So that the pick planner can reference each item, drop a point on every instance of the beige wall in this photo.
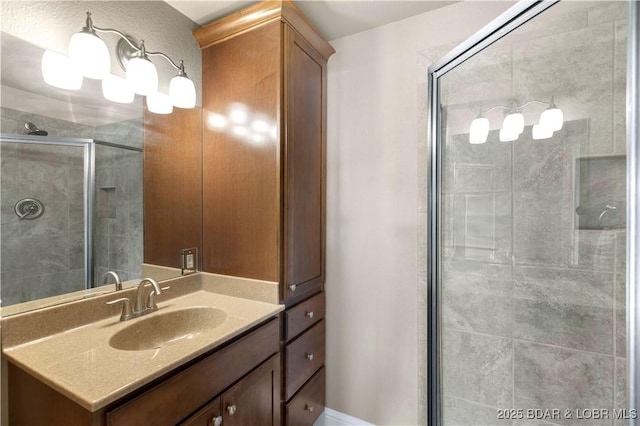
(374, 299)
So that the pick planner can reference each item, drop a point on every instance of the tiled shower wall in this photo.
(533, 303)
(45, 257)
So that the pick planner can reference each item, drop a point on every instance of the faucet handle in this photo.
(126, 308)
(151, 303)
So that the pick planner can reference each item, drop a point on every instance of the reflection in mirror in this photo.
(71, 180)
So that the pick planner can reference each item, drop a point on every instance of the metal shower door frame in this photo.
(516, 16)
(88, 184)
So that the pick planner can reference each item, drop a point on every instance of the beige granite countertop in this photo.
(80, 363)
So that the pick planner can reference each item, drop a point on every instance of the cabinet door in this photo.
(210, 415)
(255, 400)
(305, 108)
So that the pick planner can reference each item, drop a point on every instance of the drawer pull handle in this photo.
(309, 314)
(231, 409)
(216, 421)
(308, 356)
(308, 408)
(293, 287)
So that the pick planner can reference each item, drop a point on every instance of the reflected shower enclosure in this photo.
(71, 210)
(528, 228)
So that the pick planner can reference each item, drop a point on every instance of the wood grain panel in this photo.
(304, 175)
(304, 315)
(256, 398)
(175, 398)
(172, 185)
(241, 227)
(258, 14)
(299, 364)
(206, 416)
(308, 404)
(34, 403)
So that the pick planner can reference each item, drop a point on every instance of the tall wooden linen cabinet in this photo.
(264, 161)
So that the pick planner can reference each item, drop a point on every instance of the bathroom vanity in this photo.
(202, 357)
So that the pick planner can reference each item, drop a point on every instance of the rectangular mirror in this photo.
(88, 185)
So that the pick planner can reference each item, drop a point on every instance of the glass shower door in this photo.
(43, 220)
(530, 232)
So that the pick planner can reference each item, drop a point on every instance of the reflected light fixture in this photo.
(551, 120)
(57, 71)
(116, 89)
(89, 57)
(479, 130)
(513, 123)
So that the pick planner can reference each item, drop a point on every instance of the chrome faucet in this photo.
(142, 306)
(116, 278)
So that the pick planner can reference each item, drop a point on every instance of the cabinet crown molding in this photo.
(261, 13)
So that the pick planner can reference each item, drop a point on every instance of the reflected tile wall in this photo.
(549, 302)
(45, 257)
(119, 219)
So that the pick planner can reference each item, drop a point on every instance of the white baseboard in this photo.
(331, 417)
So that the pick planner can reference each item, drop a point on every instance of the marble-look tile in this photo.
(457, 412)
(479, 300)
(581, 80)
(607, 11)
(551, 377)
(136, 218)
(476, 168)
(53, 222)
(486, 79)
(423, 114)
(543, 228)
(118, 253)
(620, 393)
(76, 250)
(568, 308)
(601, 187)
(8, 125)
(561, 18)
(620, 87)
(477, 368)
(481, 227)
(547, 164)
(621, 315)
(596, 250)
(135, 253)
(621, 251)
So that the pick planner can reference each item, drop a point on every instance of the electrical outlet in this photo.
(189, 260)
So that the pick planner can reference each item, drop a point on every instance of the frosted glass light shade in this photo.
(89, 55)
(57, 71)
(159, 103)
(142, 76)
(505, 136)
(116, 89)
(513, 123)
(552, 118)
(182, 92)
(539, 131)
(479, 130)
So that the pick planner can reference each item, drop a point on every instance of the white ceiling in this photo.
(333, 18)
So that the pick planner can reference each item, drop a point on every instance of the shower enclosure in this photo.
(71, 210)
(532, 205)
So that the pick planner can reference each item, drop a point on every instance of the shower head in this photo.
(33, 130)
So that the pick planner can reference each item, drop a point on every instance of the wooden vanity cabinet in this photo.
(264, 147)
(244, 374)
(304, 356)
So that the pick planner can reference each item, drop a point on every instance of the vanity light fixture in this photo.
(551, 120)
(89, 56)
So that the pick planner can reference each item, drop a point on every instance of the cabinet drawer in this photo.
(174, 399)
(304, 356)
(308, 404)
(303, 316)
(210, 415)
